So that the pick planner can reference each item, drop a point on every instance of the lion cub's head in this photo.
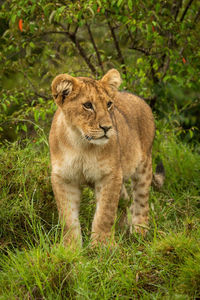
(88, 104)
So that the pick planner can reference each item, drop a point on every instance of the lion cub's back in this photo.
(137, 115)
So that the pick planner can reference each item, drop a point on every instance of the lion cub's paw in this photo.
(72, 242)
(139, 224)
(99, 241)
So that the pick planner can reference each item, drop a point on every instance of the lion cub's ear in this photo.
(112, 78)
(62, 86)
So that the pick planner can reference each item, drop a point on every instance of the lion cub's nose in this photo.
(105, 128)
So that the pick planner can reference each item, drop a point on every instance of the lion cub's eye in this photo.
(88, 105)
(109, 104)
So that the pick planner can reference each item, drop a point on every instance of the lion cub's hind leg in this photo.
(140, 206)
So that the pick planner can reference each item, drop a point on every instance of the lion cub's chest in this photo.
(83, 167)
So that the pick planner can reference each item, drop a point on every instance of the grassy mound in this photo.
(34, 264)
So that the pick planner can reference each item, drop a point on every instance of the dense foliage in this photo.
(155, 46)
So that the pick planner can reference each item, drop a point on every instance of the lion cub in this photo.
(100, 136)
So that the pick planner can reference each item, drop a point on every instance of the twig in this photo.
(130, 35)
(185, 10)
(33, 87)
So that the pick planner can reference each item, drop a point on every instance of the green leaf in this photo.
(6, 33)
(33, 8)
(139, 61)
(157, 7)
(130, 4)
(52, 16)
(119, 3)
(36, 115)
(32, 45)
(99, 3)
(47, 8)
(28, 50)
(61, 9)
(113, 2)
(191, 133)
(4, 107)
(24, 127)
(91, 10)
(13, 18)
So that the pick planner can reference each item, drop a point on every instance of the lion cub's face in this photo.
(87, 104)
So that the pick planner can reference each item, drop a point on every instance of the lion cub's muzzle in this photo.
(100, 136)
(105, 128)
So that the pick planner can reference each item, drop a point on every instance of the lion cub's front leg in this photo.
(107, 197)
(68, 201)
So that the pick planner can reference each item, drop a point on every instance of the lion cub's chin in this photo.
(101, 141)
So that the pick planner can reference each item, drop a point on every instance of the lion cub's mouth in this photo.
(103, 136)
(90, 138)
(102, 140)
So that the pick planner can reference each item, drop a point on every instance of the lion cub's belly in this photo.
(81, 167)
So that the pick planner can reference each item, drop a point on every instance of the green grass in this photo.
(35, 265)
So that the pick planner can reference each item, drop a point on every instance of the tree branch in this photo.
(186, 9)
(120, 56)
(95, 47)
(83, 54)
(197, 17)
(177, 6)
(144, 51)
(75, 41)
(75, 31)
(130, 35)
(53, 32)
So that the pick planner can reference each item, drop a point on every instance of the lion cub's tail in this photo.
(159, 176)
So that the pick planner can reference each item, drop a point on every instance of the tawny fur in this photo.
(104, 143)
